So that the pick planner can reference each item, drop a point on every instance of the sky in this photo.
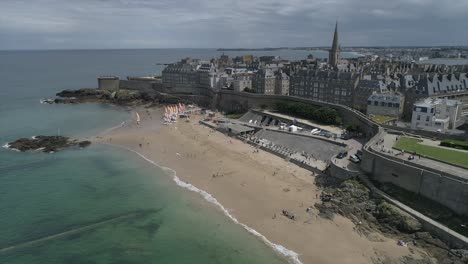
(103, 24)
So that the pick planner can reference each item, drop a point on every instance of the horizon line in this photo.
(247, 48)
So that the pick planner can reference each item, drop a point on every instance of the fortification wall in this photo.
(429, 134)
(108, 83)
(341, 173)
(446, 189)
(231, 101)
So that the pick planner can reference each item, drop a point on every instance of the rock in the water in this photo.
(120, 96)
(84, 144)
(46, 143)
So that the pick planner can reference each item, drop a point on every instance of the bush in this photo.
(454, 144)
(324, 115)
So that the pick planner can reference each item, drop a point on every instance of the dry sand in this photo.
(254, 187)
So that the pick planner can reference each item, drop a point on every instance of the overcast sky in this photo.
(83, 24)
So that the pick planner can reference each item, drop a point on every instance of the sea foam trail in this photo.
(113, 128)
(291, 255)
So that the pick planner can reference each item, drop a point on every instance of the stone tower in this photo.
(334, 52)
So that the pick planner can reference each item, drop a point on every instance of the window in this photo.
(376, 103)
(418, 118)
(427, 118)
(382, 103)
(396, 105)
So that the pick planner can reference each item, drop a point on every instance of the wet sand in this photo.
(254, 188)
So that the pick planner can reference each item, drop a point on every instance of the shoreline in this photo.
(279, 249)
(251, 200)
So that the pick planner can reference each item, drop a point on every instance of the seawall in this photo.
(445, 188)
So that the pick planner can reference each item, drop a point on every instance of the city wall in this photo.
(231, 101)
(444, 188)
(341, 173)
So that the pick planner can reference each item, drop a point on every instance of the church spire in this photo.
(335, 45)
(334, 52)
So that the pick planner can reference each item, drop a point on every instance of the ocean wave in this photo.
(291, 255)
(7, 146)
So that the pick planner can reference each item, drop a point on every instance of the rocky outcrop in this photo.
(354, 200)
(388, 214)
(119, 97)
(46, 143)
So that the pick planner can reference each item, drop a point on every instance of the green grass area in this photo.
(451, 156)
(381, 119)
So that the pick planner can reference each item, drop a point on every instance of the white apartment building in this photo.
(435, 114)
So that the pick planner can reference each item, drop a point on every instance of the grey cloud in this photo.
(39, 24)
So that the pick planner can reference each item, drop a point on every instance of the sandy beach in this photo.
(254, 188)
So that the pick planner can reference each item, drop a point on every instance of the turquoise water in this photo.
(151, 219)
(100, 204)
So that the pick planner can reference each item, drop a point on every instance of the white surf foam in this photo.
(113, 128)
(292, 256)
(7, 146)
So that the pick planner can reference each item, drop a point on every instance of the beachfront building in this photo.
(181, 77)
(436, 114)
(385, 105)
(326, 85)
(207, 75)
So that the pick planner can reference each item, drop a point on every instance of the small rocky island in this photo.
(46, 143)
(119, 97)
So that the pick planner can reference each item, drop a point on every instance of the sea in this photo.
(103, 204)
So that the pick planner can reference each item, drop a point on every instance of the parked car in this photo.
(345, 136)
(342, 154)
(354, 159)
(322, 133)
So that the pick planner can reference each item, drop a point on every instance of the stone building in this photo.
(263, 81)
(248, 59)
(366, 88)
(417, 87)
(241, 81)
(328, 86)
(207, 75)
(281, 83)
(181, 77)
(385, 105)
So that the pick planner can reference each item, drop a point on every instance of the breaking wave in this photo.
(7, 146)
(291, 255)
